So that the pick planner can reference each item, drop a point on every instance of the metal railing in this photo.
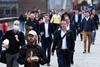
(8, 19)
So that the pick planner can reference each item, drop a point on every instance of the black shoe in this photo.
(48, 64)
(84, 51)
(88, 51)
(72, 62)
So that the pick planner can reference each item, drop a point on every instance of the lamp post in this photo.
(46, 5)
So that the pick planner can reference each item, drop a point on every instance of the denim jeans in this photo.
(22, 26)
(93, 37)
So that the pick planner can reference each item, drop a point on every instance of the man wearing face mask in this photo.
(16, 39)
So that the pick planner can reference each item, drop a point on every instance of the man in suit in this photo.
(46, 31)
(64, 45)
(32, 24)
(71, 27)
(76, 19)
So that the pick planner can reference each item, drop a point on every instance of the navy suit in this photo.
(79, 19)
(73, 30)
(46, 41)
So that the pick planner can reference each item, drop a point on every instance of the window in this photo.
(7, 11)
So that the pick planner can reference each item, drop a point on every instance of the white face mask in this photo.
(16, 27)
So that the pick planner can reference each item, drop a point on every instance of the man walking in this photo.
(64, 45)
(16, 39)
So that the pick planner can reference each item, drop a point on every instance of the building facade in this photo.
(17, 7)
(8, 8)
(60, 4)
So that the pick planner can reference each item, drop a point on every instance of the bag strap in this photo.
(62, 37)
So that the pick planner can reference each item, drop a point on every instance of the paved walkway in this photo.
(81, 60)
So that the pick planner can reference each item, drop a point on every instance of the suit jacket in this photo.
(73, 30)
(42, 30)
(58, 42)
(34, 24)
(79, 18)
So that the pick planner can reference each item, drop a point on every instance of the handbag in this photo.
(3, 56)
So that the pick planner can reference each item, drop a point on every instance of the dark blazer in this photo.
(73, 30)
(87, 26)
(42, 30)
(96, 20)
(79, 18)
(58, 42)
(34, 24)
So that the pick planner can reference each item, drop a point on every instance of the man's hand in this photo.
(35, 59)
(29, 60)
(16, 37)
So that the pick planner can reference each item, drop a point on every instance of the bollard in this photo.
(5, 27)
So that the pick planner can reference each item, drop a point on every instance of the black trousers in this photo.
(64, 58)
(46, 44)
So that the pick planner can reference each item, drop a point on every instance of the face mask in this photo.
(15, 27)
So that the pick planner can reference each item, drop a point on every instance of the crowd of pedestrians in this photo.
(36, 36)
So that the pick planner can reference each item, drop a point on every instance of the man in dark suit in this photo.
(71, 27)
(46, 31)
(32, 24)
(64, 45)
(76, 19)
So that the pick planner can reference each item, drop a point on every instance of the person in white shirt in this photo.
(64, 45)
(46, 32)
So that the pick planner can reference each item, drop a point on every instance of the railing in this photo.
(8, 22)
(8, 19)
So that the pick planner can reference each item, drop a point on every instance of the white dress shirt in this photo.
(64, 43)
(76, 17)
(46, 30)
(68, 27)
(87, 18)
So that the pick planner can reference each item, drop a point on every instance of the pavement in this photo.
(91, 59)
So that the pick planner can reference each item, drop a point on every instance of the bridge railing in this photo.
(7, 22)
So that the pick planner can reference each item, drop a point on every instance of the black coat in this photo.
(96, 20)
(25, 53)
(58, 42)
(42, 30)
(13, 44)
(33, 23)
